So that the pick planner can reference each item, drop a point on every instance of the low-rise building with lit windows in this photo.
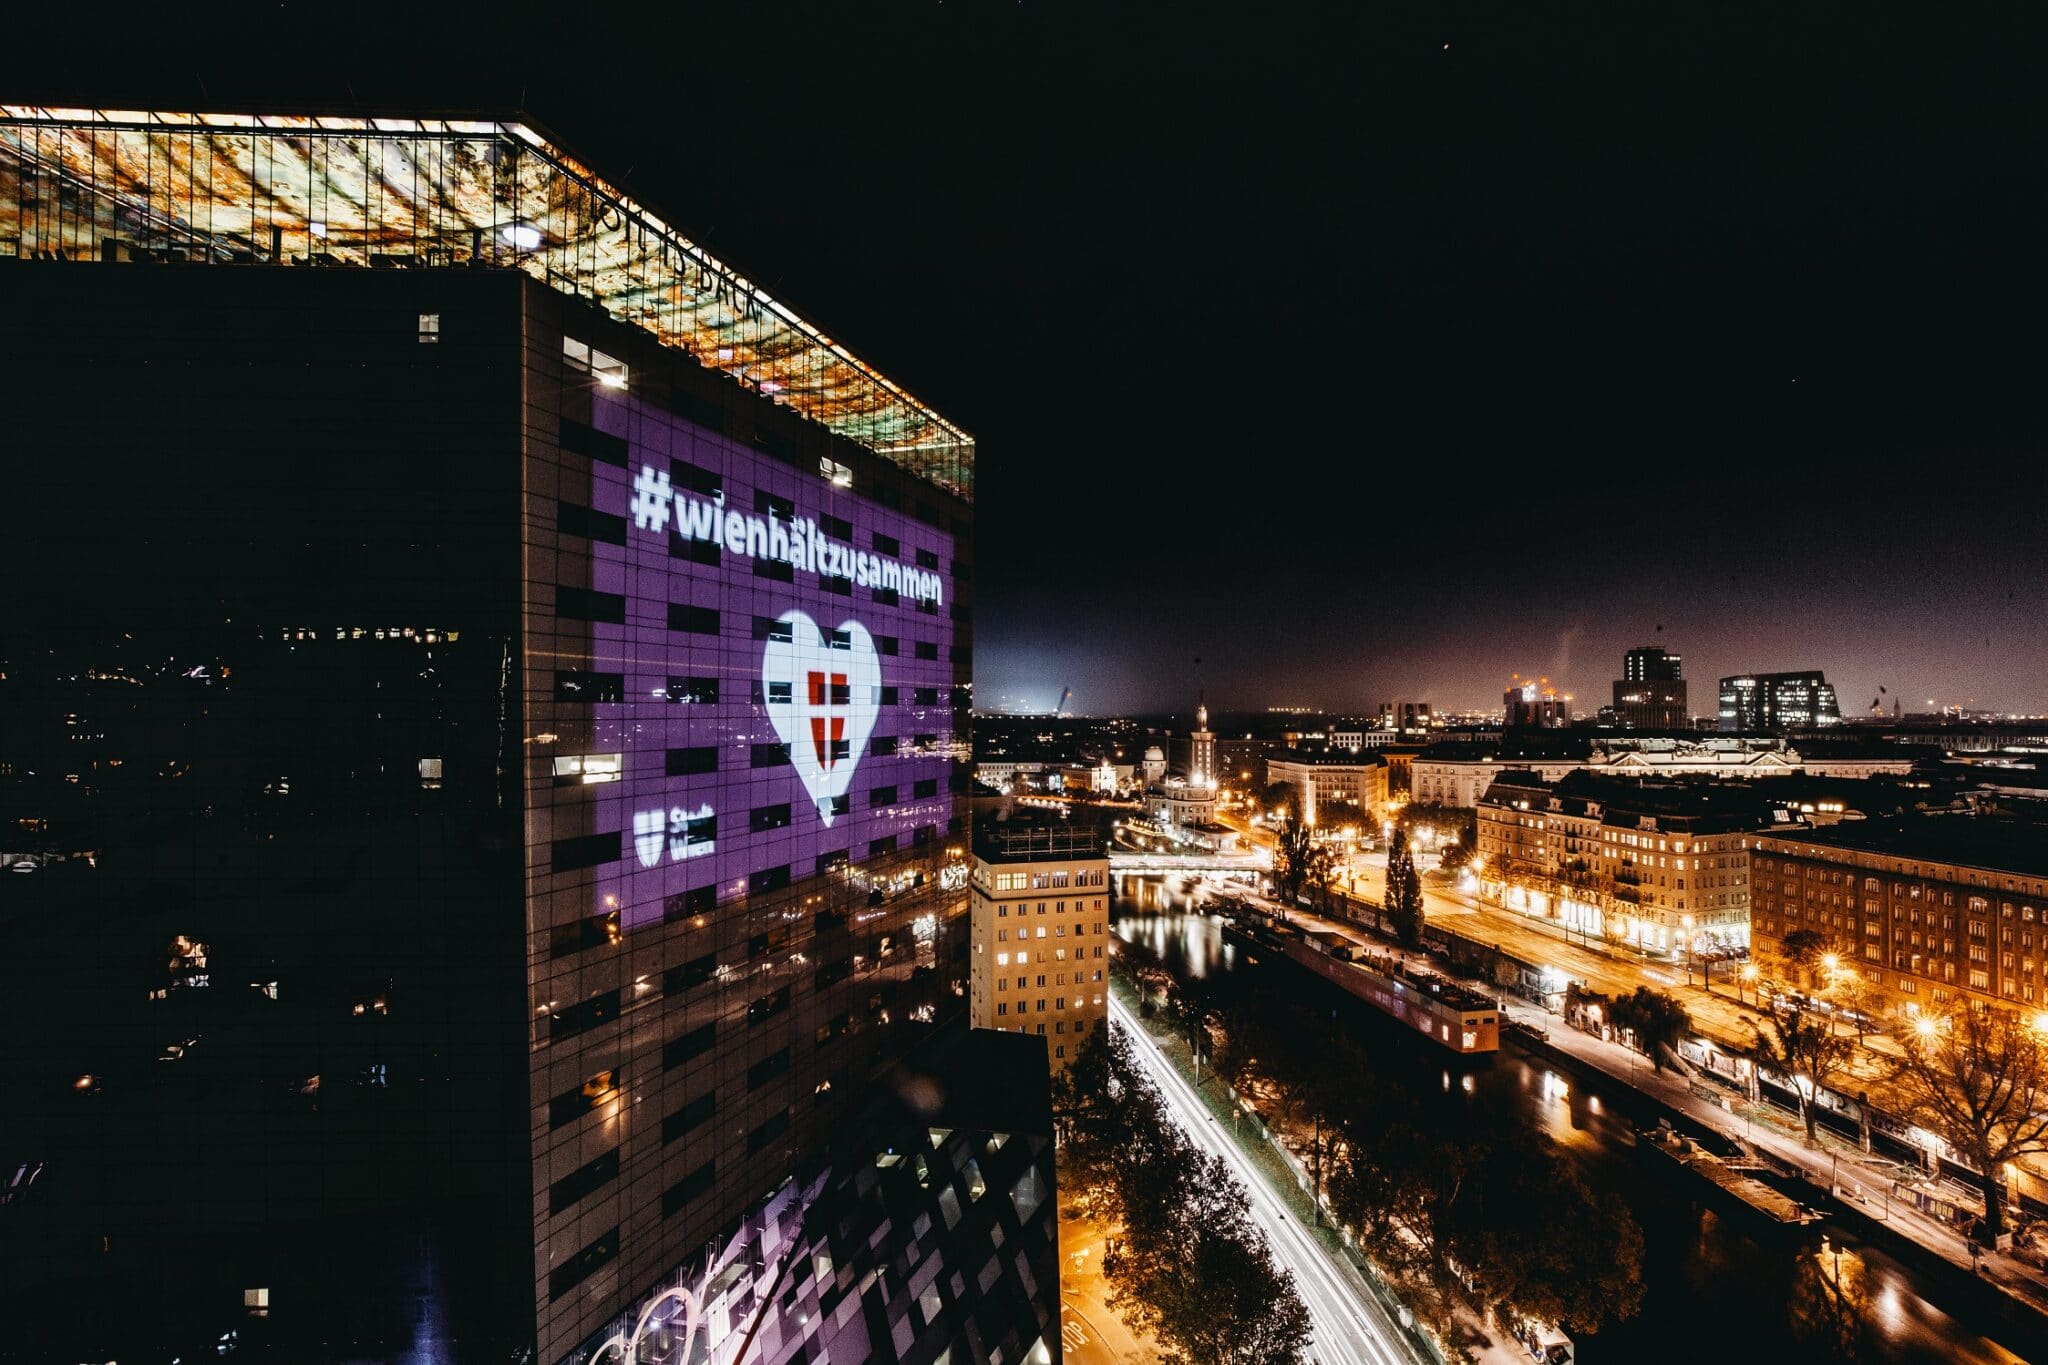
(1335, 786)
(1926, 909)
(1663, 867)
(1039, 923)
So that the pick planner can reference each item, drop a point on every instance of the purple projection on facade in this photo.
(787, 668)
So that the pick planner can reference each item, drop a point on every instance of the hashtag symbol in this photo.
(653, 498)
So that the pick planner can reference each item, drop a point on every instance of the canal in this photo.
(1712, 1291)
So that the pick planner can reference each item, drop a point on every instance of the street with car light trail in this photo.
(1348, 1324)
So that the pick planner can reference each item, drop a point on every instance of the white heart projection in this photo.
(823, 692)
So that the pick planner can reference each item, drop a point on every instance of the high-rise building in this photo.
(1650, 694)
(1040, 925)
(1764, 703)
(1533, 704)
(514, 667)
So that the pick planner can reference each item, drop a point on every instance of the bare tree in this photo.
(1978, 1076)
(1808, 1053)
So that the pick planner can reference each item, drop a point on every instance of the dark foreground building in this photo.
(480, 713)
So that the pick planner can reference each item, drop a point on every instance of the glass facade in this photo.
(410, 194)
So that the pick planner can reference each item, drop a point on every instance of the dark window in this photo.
(828, 861)
(708, 413)
(927, 560)
(777, 692)
(768, 1068)
(777, 569)
(842, 587)
(694, 478)
(696, 551)
(584, 605)
(767, 1007)
(839, 638)
(701, 691)
(592, 687)
(881, 796)
(768, 1132)
(689, 762)
(877, 847)
(689, 1116)
(696, 620)
(702, 901)
(773, 628)
(765, 502)
(885, 644)
(574, 520)
(881, 746)
(589, 850)
(687, 1191)
(888, 697)
(584, 1016)
(927, 787)
(888, 545)
(584, 935)
(768, 943)
(685, 1046)
(842, 803)
(582, 1265)
(584, 439)
(761, 819)
(888, 597)
(927, 649)
(836, 526)
(768, 879)
(695, 972)
(834, 972)
(769, 755)
(566, 1108)
(925, 696)
(924, 834)
(592, 1175)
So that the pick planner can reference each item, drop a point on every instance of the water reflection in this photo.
(1716, 1288)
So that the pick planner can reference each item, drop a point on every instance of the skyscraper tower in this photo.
(1650, 694)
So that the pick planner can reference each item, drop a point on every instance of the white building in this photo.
(1336, 787)
(1039, 916)
(1458, 774)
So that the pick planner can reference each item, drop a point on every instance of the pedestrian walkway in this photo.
(1855, 1175)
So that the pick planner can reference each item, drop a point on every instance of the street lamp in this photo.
(1685, 924)
(1749, 975)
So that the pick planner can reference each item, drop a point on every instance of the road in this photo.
(1347, 1323)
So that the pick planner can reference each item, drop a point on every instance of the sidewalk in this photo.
(1860, 1178)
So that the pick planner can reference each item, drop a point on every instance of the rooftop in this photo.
(1028, 841)
(1991, 843)
(423, 193)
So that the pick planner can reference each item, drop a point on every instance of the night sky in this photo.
(1366, 353)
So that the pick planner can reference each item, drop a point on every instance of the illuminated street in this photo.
(1349, 1327)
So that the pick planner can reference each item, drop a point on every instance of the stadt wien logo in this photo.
(823, 690)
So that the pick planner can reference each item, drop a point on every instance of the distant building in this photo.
(1456, 773)
(1405, 718)
(1153, 766)
(1650, 694)
(1768, 703)
(1336, 787)
(1039, 920)
(1534, 705)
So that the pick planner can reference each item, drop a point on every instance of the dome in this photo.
(1155, 754)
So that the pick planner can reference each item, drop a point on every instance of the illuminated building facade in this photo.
(1663, 867)
(1335, 787)
(1040, 924)
(1533, 704)
(1650, 694)
(667, 752)
(1765, 703)
(1924, 910)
